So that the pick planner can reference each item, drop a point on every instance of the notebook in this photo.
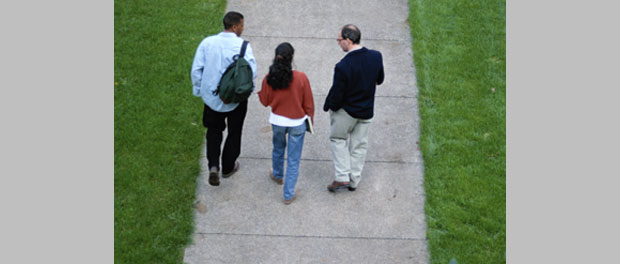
(309, 127)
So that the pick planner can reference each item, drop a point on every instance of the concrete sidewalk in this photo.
(244, 220)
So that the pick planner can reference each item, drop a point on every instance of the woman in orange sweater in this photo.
(289, 95)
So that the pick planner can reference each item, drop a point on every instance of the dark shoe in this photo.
(214, 179)
(351, 189)
(235, 169)
(278, 181)
(287, 202)
(337, 186)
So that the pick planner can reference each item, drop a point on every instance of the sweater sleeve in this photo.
(335, 97)
(381, 76)
(308, 100)
(264, 95)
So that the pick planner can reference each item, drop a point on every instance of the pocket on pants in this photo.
(298, 130)
(340, 124)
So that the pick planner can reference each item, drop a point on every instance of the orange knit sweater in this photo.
(293, 102)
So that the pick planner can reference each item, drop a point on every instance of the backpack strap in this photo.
(243, 46)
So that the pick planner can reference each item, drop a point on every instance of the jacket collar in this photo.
(363, 49)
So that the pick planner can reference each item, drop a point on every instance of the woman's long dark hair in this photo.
(281, 71)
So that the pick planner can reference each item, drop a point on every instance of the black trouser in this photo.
(216, 122)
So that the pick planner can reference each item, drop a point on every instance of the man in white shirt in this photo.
(213, 56)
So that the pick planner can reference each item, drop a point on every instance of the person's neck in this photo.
(355, 47)
(230, 31)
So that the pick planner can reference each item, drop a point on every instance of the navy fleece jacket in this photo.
(356, 77)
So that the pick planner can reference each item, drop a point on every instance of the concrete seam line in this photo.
(323, 38)
(326, 160)
(320, 237)
(377, 96)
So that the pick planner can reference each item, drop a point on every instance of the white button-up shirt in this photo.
(213, 56)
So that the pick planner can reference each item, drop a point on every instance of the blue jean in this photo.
(295, 145)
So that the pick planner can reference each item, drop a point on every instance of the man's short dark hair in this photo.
(351, 32)
(232, 18)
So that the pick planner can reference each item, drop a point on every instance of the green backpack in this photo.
(237, 82)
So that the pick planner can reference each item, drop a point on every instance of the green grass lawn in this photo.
(157, 125)
(460, 57)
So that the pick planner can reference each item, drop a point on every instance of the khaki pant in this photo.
(349, 156)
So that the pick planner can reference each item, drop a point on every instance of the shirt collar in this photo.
(227, 34)
(361, 49)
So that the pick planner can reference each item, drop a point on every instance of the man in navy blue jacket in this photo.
(350, 103)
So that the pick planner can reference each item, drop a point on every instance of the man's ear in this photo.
(349, 42)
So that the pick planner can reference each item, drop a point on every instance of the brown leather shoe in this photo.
(278, 181)
(235, 169)
(338, 185)
(287, 202)
(214, 179)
